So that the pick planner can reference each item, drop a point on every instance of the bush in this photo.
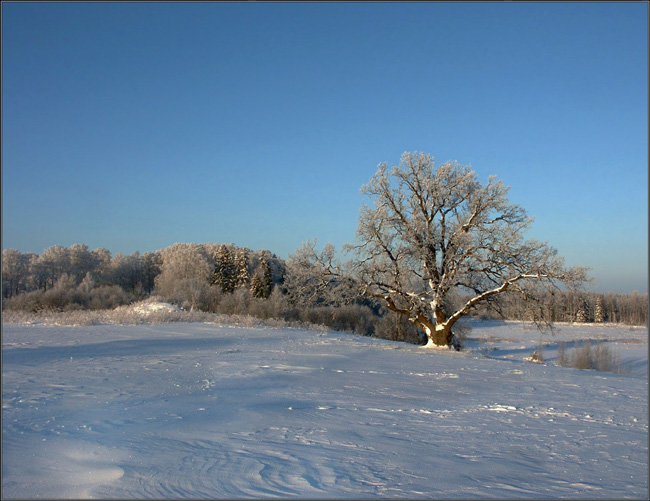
(30, 301)
(396, 327)
(109, 297)
(562, 356)
(189, 293)
(352, 318)
(236, 303)
(276, 306)
(62, 299)
(461, 330)
(588, 357)
(56, 299)
(53, 299)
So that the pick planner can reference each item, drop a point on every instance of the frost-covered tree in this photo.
(14, 272)
(430, 231)
(225, 273)
(128, 271)
(262, 281)
(52, 264)
(185, 275)
(599, 314)
(152, 264)
(86, 285)
(102, 271)
(256, 286)
(82, 261)
(242, 275)
(267, 277)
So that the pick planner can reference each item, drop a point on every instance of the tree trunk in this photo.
(438, 331)
(438, 334)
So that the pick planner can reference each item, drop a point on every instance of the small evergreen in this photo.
(583, 313)
(262, 282)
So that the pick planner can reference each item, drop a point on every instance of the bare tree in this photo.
(431, 231)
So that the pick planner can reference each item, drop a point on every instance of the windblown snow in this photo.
(199, 410)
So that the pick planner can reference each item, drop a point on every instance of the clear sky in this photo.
(134, 126)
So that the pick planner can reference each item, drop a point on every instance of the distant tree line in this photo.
(236, 280)
(192, 275)
(579, 307)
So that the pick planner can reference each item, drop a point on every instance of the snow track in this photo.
(202, 411)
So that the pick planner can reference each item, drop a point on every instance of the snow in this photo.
(148, 307)
(200, 410)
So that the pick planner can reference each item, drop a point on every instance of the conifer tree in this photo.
(583, 312)
(267, 277)
(599, 312)
(262, 282)
(224, 269)
(256, 287)
(242, 278)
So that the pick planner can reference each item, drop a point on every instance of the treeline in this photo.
(579, 307)
(191, 275)
(234, 280)
(210, 277)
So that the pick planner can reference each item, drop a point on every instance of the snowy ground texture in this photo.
(198, 410)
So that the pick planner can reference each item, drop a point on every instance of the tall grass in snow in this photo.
(588, 356)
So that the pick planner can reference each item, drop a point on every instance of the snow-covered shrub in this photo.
(582, 358)
(352, 318)
(109, 297)
(29, 301)
(355, 318)
(236, 303)
(587, 356)
(56, 299)
(397, 328)
(461, 330)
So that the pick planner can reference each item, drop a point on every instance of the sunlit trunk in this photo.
(437, 331)
(437, 334)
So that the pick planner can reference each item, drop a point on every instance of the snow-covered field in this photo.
(198, 410)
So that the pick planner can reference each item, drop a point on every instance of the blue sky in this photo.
(135, 126)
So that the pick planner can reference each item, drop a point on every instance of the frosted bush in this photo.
(589, 357)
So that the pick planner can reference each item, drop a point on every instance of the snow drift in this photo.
(149, 307)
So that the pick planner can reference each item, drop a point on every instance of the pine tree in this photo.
(267, 278)
(242, 278)
(262, 282)
(256, 287)
(583, 312)
(589, 317)
(224, 269)
(599, 312)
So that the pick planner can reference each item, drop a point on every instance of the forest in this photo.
(227, 279)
